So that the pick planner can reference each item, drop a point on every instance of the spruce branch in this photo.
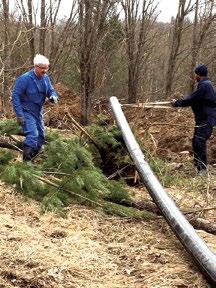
(48, 182)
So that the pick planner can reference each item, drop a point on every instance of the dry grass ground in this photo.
(89, 249)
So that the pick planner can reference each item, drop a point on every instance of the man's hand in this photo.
(173, 102)
(21, 120)
(53, 99)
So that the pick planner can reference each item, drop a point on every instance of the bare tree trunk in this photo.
(85, 65)
(31, 31)
(183, 10)
(62, 41)
(28, 21)
(6, 60)
(200, 29)
(42, 28)
(137, 30)
(53, 17)
(92, 19)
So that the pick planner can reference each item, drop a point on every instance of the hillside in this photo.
(89, 249)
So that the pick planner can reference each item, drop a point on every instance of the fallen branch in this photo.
(117, 172)
(56, 173)
(171, 124)
(200, 210)
(156, 103)
(83, 130)
(147, 106)
(198, 223)
(4, 144)
(48, 182)
(113, 206)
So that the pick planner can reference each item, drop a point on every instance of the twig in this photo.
(56, 173)
(117, 172)
(13, 138)
(156, 103)
(83, 130)
(199, 210)
(15, 146)
(147, 106)
(178, 125)
(170, 124)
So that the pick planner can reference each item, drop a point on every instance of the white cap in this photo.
(40, 59)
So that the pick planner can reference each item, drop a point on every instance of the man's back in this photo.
(203, 103)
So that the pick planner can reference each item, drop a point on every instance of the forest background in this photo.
(108, 47)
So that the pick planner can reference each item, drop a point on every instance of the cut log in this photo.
(5, 144)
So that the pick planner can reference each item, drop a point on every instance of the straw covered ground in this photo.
(89, 249)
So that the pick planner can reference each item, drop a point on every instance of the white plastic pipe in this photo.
(194, 244)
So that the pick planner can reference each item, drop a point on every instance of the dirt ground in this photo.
(89, 249)
(166, 133)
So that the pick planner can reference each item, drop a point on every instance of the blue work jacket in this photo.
(202, 102)
(29, 93)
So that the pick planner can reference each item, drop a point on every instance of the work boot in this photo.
(27, 153)
(202, 172)
(35, 152)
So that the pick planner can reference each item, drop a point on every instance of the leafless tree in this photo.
(202, 23)
(43, 23)
(5, 60)
(92, 30)
(55, 38)
(62, 37)
(139, 19)
(29, 22)
(178, 27)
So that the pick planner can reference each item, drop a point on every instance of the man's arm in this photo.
(18, 91)
(52, 94)
(190, 100)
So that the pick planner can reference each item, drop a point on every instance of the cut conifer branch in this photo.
(48, 182)
(118, 209)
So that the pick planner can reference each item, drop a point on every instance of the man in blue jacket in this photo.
(28, 96)
(203, 104)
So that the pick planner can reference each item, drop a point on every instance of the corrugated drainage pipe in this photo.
(194, 244)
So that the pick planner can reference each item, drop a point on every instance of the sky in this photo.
(168, 9)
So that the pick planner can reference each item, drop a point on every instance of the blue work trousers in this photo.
(34, 131)
(202, 133)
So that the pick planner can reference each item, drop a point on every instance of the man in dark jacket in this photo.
(203, 104)
(28, 96)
